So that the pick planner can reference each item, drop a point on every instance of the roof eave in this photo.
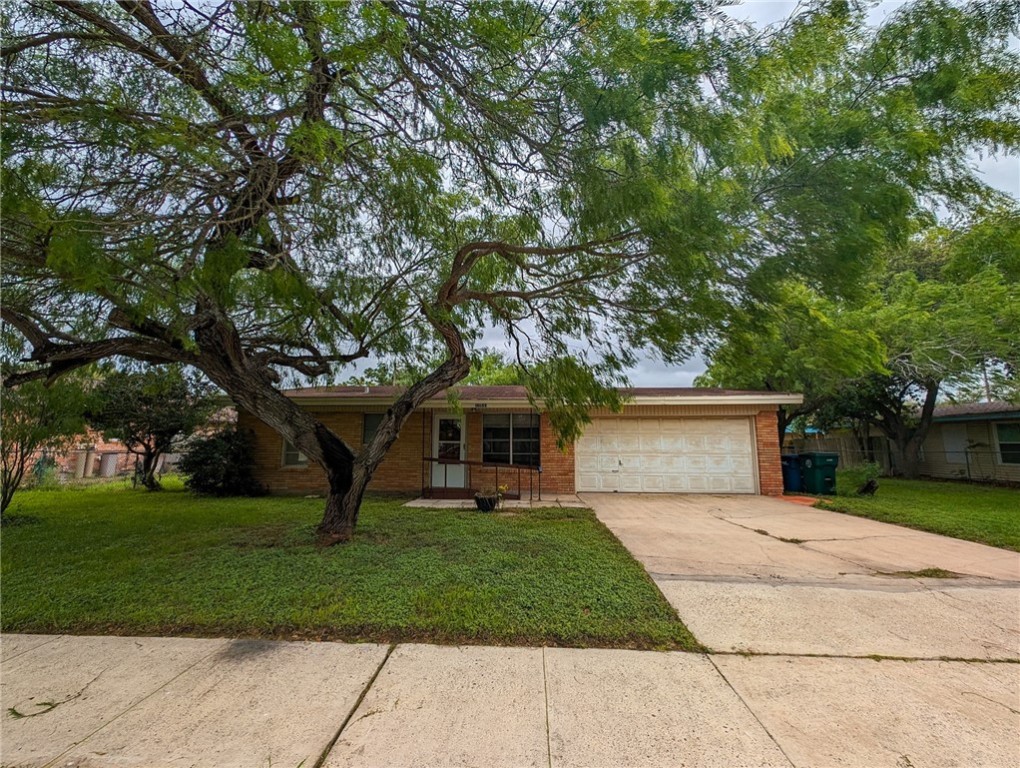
(784, 398)
(993, 416)
(466, 403)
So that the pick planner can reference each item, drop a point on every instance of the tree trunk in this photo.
(6, 496)
(223, 360)
(346, 490)
(347, 482)
(907, 440)
(908, 458)
(860, 429)
(783, 419)
(149, 461)
(13, 474)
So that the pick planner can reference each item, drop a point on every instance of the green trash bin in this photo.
(819, 472)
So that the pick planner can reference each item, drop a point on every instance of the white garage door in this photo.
(666, 456)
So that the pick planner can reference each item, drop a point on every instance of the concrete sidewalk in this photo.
(109, 701)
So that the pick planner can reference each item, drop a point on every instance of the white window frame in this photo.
(289, 449)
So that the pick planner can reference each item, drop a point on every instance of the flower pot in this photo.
(486, 503)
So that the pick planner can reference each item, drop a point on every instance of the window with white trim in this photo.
(511, 438)
(1008, 438)
(292, 457)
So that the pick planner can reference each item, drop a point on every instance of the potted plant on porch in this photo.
(490, 498)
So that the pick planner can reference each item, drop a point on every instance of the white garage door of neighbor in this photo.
(666, 456)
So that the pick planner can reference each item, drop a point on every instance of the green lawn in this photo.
(113, 560)
(965, 511)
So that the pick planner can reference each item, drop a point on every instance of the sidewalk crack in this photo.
(49, 706)
(753, 713)
(7, 659)
(368, 686)
(133, 706)
(548, 729)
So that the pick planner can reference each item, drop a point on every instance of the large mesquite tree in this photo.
(270, 189)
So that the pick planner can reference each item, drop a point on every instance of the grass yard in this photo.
(111, 560)
(980, 513)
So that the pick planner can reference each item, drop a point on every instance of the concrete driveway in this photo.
(801, 605)
(749, 573)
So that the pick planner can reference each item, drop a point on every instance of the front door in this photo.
(448, 446)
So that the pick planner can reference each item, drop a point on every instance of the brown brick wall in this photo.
(770, 470)
(399, 471)
(557, 465)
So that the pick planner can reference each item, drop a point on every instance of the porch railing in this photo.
(519, 478)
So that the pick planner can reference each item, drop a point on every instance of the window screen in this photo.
(292, 457)
(511, 438)
(496, 437)
(370, 426)
(1009, 443)
(525, 439)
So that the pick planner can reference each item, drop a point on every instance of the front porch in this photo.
(481, 450)
(453, 479)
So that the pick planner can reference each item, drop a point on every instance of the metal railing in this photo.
(478, 475)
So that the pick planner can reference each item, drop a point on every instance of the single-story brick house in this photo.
(665, 440)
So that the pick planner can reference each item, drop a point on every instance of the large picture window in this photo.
(1008, 436)
(511, 438)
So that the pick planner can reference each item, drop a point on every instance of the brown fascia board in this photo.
(516, 397)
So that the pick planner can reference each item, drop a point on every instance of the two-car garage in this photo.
(667, 455)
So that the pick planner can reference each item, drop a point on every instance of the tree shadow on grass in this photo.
(13, 521)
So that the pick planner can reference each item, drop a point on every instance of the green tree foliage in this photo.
(264, 190)
(938, 331)
(946, 320)
(992, 380)
(804, 343)
(37, 418)
(992, 241)
(488, 368)
(935, 318)
(148, 409)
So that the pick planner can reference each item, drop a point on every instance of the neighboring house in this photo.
(92, 455)
(974, 441)
(968, 441)
(664, 441)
